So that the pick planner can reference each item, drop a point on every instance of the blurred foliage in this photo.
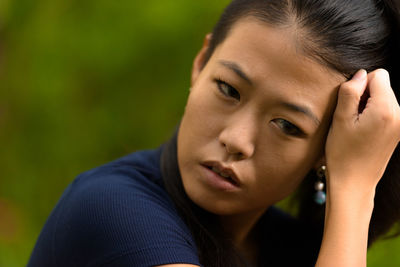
(85, 82)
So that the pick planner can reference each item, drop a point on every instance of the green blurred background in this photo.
(83, 83)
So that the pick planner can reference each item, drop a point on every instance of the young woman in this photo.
(285, 94)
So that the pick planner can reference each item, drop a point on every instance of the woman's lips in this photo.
(220, 177)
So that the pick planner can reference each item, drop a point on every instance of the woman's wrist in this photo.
(347, 217)
(351, 206)
(350, 190)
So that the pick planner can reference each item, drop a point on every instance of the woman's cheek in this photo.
(286, 161)
(205, 112)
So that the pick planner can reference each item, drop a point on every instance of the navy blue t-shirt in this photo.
(120, 215)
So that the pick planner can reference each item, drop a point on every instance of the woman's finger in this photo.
(379, 85)
(383, 106)
(350, 94)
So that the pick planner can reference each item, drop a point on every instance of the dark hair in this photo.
(346, 35)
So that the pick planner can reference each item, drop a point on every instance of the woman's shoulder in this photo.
(134, 179)
(139, 164)
(116, 214)
(138, 171)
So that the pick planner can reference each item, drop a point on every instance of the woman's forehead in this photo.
(263, 50)
(267, 59)
(269, 56)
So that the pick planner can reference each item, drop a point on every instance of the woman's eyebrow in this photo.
(291, 106)
(301, 109)
(237, 69)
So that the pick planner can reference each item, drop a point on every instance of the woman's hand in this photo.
(360, 143)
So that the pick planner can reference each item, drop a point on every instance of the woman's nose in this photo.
(238, 138)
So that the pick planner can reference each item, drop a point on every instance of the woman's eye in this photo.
(227, 90)
(288, 128)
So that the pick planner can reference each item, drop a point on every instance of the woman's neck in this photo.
(241, 230)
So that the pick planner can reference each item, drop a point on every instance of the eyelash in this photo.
(232, 92)
(286, 127)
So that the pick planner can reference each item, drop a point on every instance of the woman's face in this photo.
(255, 121)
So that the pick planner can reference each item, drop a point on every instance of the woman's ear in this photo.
(199, 60)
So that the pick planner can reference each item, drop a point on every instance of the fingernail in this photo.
(360, 75)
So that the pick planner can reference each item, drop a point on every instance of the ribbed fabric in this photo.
(116, 215)
(120, 215)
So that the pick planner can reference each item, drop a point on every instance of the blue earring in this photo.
(320, 195)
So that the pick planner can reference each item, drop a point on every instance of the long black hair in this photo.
(345, 35)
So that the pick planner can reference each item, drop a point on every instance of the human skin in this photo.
(248, 135)
(358, 148)
(247, 127)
